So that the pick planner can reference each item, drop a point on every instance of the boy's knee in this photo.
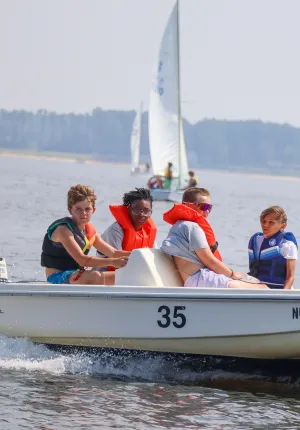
(97, 276)
(94, 278)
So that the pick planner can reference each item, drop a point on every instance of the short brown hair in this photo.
(79, 193)
(191, 194)
(277, 210)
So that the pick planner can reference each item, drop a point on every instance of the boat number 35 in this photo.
(172, 315)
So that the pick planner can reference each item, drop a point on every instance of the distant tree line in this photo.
(106, 135)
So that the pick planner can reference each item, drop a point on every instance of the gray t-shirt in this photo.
(184, 238)
(114, 236)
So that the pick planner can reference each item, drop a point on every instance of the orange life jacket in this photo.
(90, 234)
(181, 212)
(133, 239)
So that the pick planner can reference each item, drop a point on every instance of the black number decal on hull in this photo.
(178, 319)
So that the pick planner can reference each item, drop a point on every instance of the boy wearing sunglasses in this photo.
(192, 244)
(134, 227)
(273, 253)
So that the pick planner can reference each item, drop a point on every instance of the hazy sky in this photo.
(240, 58)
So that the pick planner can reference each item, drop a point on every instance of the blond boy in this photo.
(273, 252)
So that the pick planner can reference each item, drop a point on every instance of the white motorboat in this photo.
(166, 138)
(149, 310)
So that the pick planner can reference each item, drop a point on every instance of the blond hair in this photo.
(191, 194)
(277, 210)
(79, 193)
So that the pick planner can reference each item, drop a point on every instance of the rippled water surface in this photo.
(45, 389)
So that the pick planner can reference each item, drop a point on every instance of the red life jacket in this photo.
(181, 212)
(133, 239)
(90, 234)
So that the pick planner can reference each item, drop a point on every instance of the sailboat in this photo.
(166, 138)
(135, 141)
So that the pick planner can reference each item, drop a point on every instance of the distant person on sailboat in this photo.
(168, 176)
(193, 181)
(134, 227)
(147, 167)
(155, 182)
(68, 241)
(192, 244)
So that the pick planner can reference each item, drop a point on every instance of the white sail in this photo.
(135, 140)
(166, 137)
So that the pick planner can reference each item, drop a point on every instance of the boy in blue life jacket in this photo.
(273, 253)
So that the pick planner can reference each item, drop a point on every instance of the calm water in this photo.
(47, 390)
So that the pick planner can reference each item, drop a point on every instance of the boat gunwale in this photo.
(159, 296)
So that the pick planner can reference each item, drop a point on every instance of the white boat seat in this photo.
(149, 268)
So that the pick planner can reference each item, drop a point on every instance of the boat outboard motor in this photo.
(3, 270)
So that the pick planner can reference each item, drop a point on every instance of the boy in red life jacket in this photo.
(69, 239)
(134, 227)
(192, 244)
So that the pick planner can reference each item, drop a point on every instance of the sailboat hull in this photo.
(167, 195)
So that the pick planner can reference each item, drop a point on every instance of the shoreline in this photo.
(253, 174)
(71, 158)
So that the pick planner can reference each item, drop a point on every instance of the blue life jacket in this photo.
(267, 264)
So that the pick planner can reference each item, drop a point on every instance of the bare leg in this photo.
(92, 277)
(247, 285)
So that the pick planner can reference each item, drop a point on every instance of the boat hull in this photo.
(167, 195)
(260, 324)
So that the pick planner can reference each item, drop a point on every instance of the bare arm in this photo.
(65, 236)
(107, 249)
(212, 263)
(290, 273)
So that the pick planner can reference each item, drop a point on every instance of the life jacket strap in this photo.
(214, 247)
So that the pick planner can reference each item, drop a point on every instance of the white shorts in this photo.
(205, 278)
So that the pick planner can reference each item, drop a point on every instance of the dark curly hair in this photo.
(138, 194)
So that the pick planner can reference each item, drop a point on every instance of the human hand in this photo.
(237, 276)
(119, 262)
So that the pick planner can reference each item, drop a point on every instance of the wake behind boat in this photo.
(149, 310)
(166, 138)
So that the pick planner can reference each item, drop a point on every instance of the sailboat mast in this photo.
(141, 116)
(179, 96)
(140, 131)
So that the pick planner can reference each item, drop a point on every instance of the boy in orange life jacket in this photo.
(192, 243)
(133, 227)
(69, 239)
